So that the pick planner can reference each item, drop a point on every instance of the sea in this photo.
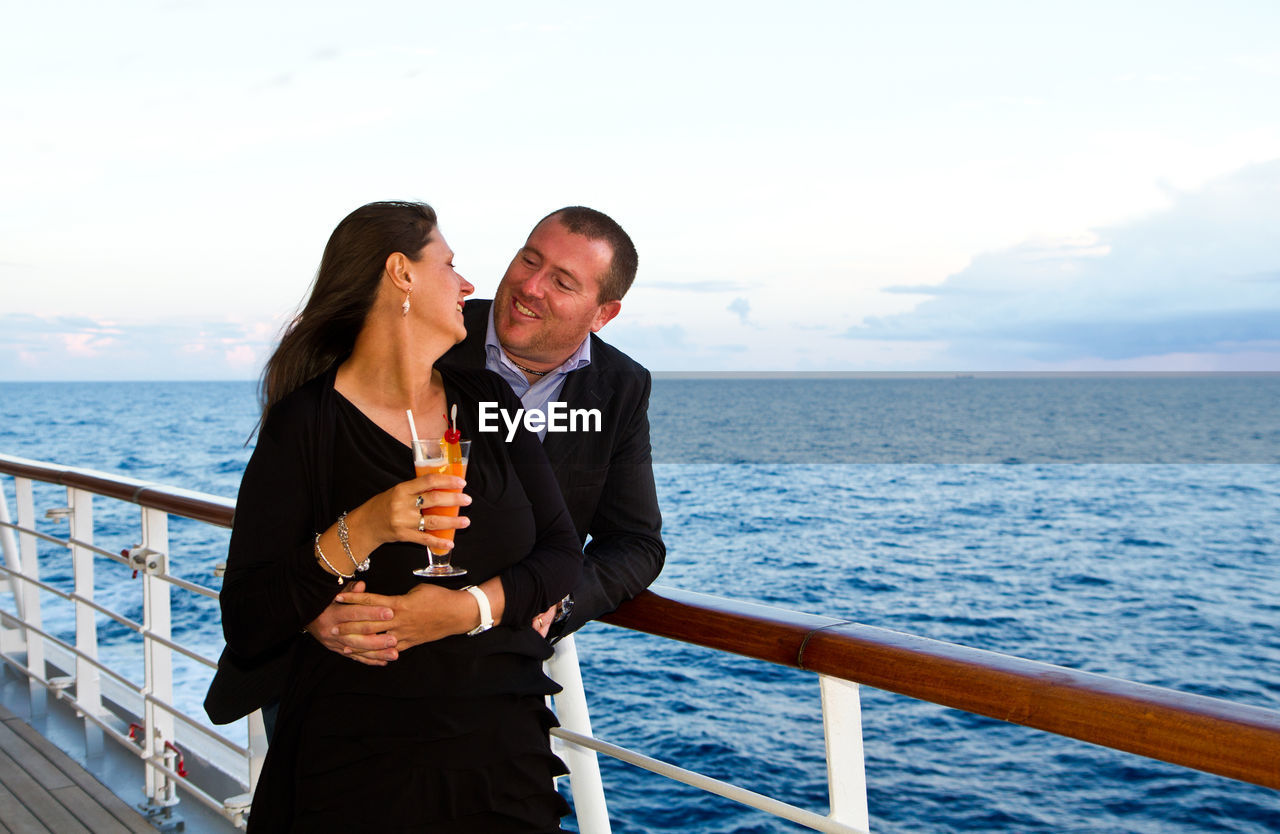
(1126, 525)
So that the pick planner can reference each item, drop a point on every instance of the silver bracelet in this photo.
(342, 577)
(344, 536)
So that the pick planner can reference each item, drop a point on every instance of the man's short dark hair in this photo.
(596, 225)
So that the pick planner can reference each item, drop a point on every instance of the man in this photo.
(538, 333)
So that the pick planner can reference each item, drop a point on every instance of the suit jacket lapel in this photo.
(587, 388)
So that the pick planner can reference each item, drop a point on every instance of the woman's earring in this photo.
(404, 308)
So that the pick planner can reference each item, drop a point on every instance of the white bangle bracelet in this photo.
(486, 613)
(342, 577)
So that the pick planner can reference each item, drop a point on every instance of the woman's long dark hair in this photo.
(324, 333)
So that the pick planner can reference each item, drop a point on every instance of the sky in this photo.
(840, 186)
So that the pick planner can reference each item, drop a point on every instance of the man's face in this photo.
(546, 304)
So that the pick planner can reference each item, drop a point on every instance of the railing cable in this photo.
(711, 785)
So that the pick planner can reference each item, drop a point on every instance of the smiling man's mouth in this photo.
(523, 310)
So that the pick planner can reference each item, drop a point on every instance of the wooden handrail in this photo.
(1209, 734)
(189, 504)
(1229, 739)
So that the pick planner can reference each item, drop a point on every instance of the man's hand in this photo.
(426, 613)
(542, 622)
(356, 631)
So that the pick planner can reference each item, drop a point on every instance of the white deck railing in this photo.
(83, 680)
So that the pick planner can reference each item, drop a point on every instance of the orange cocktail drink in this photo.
(437, 457)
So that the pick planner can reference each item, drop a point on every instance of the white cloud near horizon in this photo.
(701, 286)
(1200, 277)
(54, 348)
(741, 308)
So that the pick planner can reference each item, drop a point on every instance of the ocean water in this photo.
(1124, 526)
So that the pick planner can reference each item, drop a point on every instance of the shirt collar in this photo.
(494, 353)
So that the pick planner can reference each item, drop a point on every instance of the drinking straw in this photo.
(413, 430)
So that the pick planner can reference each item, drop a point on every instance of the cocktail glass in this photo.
(430, 457)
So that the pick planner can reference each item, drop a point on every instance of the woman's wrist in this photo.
(359, 565)
(343, 549)
(484, 612)
(322, 551)
(497, 595)
(361, 533)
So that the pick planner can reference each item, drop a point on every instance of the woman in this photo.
(451, 736)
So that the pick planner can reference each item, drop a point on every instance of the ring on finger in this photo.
(422, 524)
(418, 502)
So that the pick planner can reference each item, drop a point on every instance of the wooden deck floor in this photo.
(43, 790)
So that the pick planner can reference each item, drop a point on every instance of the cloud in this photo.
(85, 344)
(17, 327)
(283, 79)
(741, 308)
(700, 286)
(242, 355)
(1263, 64)
(1202, 276)
(76, 348)
(641, 339)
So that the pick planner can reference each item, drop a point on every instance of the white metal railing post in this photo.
(258, 743)
(584, 767)
(31, 594)
(13, 638)
(236, 808)
(151, 557)
(12, 560)
(846, 758)
(88, 683)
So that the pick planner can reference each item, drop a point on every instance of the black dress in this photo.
(452, 736)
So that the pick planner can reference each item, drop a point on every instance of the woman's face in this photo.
(438, 289)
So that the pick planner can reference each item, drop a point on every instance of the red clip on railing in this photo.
(182, 770)
(168, 745)
(126, 554)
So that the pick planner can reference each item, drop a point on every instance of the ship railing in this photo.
(139, 716)
(1234, 740)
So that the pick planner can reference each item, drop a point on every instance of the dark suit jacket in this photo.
(606, 476)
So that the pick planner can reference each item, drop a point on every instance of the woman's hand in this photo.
(426, 613)
(396, 515)
(356, 631)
